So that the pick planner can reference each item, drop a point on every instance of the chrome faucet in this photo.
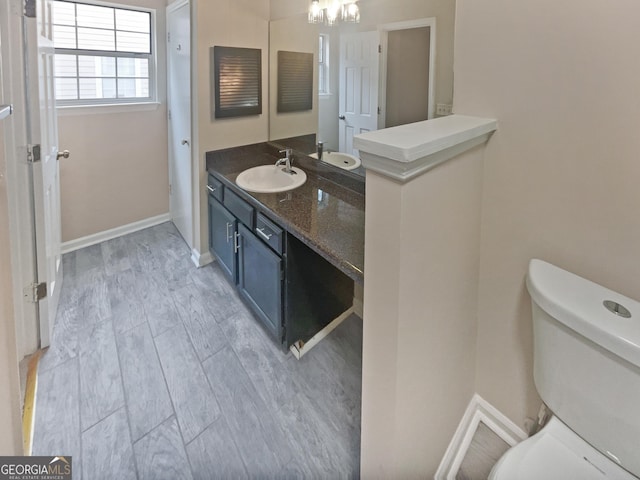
(286, 161)
(319, 150)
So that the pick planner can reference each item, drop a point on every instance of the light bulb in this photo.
(351, 13)
(316, 14)
(332, 13)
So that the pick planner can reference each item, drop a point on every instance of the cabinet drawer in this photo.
(241, 209)
(215, 187)
(270, 233)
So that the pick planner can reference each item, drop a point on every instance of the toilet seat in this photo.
(556, 453)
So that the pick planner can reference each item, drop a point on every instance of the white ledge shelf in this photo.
(406, 151)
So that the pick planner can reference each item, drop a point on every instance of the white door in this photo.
(43, 130)
(358, 110)
(179, 99)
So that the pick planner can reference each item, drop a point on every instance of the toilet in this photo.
(587, 371)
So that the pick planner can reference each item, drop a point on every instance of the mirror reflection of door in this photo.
(384, 80)
(358, 103)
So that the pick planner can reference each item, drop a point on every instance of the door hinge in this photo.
(169, 114)
(35, 292)
(379, 111)
(168, 36)
(379, 48)
(30, 8)
(33, 153)
(170, 189)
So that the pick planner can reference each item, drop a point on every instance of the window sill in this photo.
(71, 110)
(325, 95)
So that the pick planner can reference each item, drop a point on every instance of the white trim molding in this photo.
(71, 110)
(73, 245)
(201, 259)
(479, 410)
(406, 151)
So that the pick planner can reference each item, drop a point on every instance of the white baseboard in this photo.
(201, 259)
(479, 410)
(99, 237)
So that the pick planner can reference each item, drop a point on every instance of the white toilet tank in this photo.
(587, 359)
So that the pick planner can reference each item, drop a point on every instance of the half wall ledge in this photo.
(407, 151)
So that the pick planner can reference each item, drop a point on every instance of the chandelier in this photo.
(334, 11)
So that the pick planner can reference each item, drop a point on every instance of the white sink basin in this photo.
(342, 160)
(270, 179)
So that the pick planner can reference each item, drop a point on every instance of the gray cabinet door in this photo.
(260, 280)
(222, 230)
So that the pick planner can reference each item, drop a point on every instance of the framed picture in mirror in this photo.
(295, 81)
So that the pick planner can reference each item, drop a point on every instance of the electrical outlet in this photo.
(443, 109)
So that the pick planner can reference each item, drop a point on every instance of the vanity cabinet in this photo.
(291, 290)
(260, 278)
(226, 212)
(251, 264)
(223, 228)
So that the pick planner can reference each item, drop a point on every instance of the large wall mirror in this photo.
(356, 87)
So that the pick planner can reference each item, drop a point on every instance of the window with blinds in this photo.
(323, 65)
(103, 54)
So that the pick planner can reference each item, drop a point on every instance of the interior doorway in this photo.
(179, 100)
(44, 155)
(33, 174)
(407, 72)
(407, 89)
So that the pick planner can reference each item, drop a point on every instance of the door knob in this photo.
(63, 154)
(341, 117)
(185, 142)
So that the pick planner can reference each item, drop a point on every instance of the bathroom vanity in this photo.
(293, 256)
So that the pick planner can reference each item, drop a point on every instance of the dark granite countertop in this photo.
(326, 213)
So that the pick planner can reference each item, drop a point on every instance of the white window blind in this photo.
(103, 54)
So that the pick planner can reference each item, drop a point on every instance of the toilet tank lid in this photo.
(579, 304)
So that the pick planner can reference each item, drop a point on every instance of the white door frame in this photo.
(19, 182)
(384, 42)
(196, 256)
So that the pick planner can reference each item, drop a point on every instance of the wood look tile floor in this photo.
(157, 370)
